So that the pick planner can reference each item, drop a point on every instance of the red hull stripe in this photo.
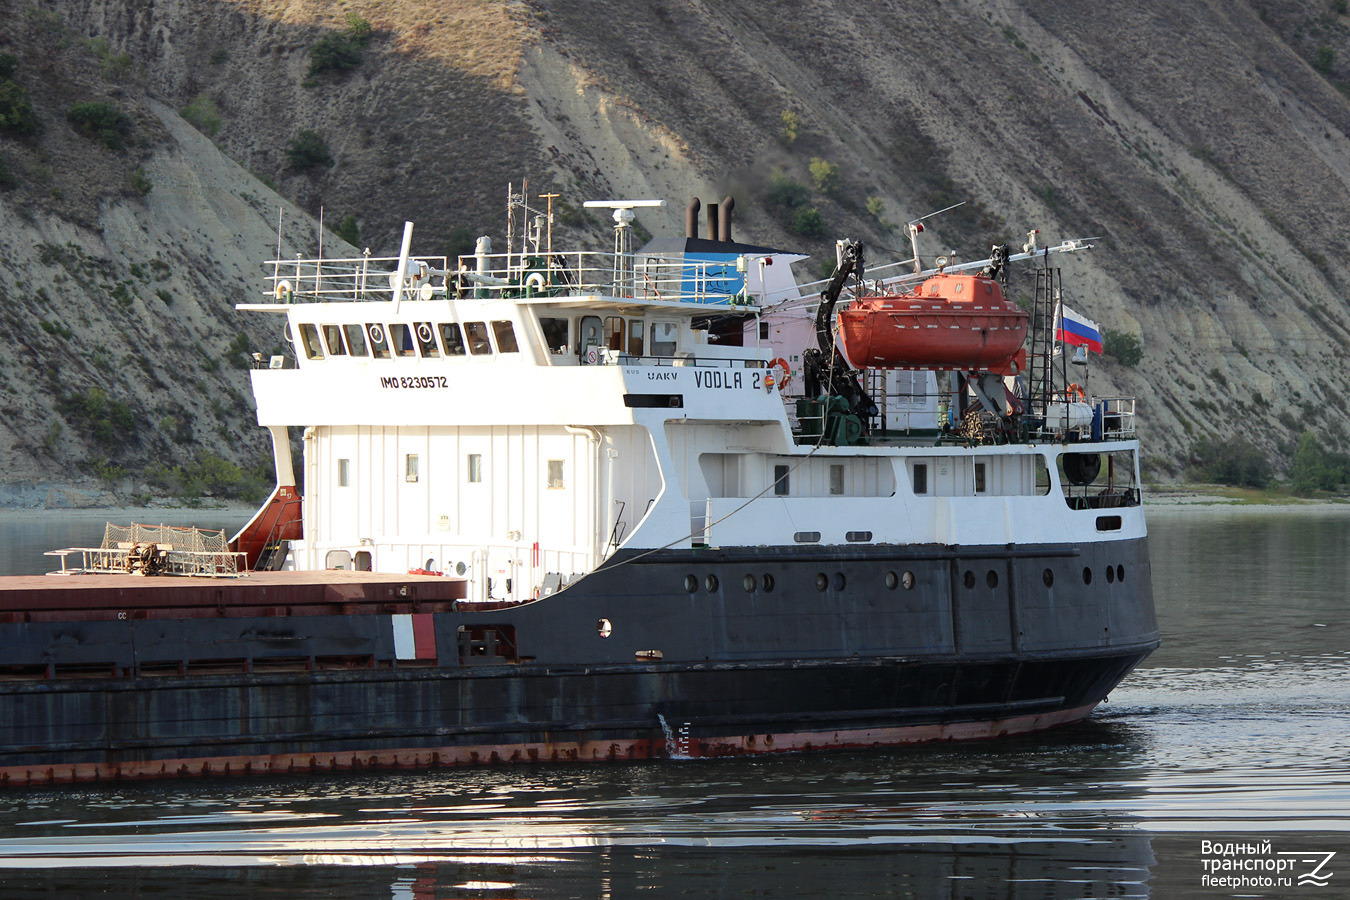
(680, 746)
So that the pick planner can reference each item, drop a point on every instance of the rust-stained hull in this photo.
(120, 677)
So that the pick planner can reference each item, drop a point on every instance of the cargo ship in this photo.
(567, 506)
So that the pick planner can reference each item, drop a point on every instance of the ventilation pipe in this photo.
(691, 218)
(724, 229)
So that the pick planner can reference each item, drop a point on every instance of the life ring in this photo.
(376, 334)
(424, 332)
(1074, 390)
(534, 282)
(780, 363)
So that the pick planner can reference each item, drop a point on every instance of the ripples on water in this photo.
(1235, 730)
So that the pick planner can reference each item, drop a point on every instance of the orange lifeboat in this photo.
(956, 322)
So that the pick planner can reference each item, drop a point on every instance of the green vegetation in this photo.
(307, 151)
(1122, 347)
(112, 66)
(1235, 462)
(56, 329)
(16, 109)
(237, 354)
(111, 423)
(783, 191)
(876, 207)
(340, 51)
(9, 64)
(141, 182)
(165, 296)
(203, 115)
(208, 475)
(1322, 62)
(7, 177)
(102, 122)
(349, 231)
(791, 127)
(460, 243)
(825, 174)
(1338, 7)
(808, 222)
(1315, 469)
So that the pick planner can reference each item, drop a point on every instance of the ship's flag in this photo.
(1072, 328)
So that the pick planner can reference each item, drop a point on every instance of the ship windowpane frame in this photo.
(309, 339)
(836, 478)
(401, 338)
(476, 334)
(781, 486)
(665, 338)
(555, 334)
(555, 475)
(475, 468)
(344, 473)
(505, 333)
(919, 478)
(410, 467)
(452, 339)
(614, 333)
(332, 337)
(981, 478)
(379, 340)
(356, 339)
(635, 334)
(590, 335)
(763, 330)
(426, 340)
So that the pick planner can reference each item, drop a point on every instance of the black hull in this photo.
(734, 670)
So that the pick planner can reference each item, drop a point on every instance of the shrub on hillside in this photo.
(203, 114)
(825, 174)
(16, 109)
(783, 191)
(1122, 347)
(340, 50)
(1238, 462)
(102, 122)
(808, 222)
(307, 151)
(350, 231)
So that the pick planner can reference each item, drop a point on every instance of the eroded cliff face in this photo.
(1205, 145)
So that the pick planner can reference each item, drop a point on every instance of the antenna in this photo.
(623, 235)
(915, 227)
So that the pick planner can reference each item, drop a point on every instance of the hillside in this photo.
(1206, 145)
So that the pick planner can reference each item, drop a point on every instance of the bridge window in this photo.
(401, 336)
(379, 341)
(635, 337)
(475, 468)
(477, 335)
(555, 474)
(356, 339)
(452, 339)
(332, 336)
(780, 481)
(410, 472)
(836, 479)
(980, 481)
(664, 338)
(426, 340)
(555, 334)
(506, 336)
(919, 474)
(309, 337)
(614, 326)
(344, 473)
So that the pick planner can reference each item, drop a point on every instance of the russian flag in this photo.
(1071, 328)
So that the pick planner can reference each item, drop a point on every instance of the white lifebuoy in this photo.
(424, 332)
(376, 334)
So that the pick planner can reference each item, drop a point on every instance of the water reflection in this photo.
(1236, 727)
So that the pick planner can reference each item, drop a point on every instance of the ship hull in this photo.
(627, 663)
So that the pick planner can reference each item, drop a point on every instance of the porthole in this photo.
(1120, 573)
(1110, 575)
(460, 568)
(749, 583)
(838, 581)
(1087, 575)
(892, 580)
(710, 583)
(969, 579)
(1048, 577)
(907, 581)
(604, 628)
(767, 582)
(991, 579)
(690, 583)
(822, 581)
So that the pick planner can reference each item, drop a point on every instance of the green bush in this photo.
(203, 115)
(101, 121)
(141, 182)
(783, 191)
(340, 50)
(460, 243)
(1123, 347)
(16, 109)
(7, 177)
(349, 230)
(307, 151)
(825, 174)
(1325, 57)
(1338, 7)
(9, 64)
(111, 423)
(808, 222)
(1237, 462)
(792, 124)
